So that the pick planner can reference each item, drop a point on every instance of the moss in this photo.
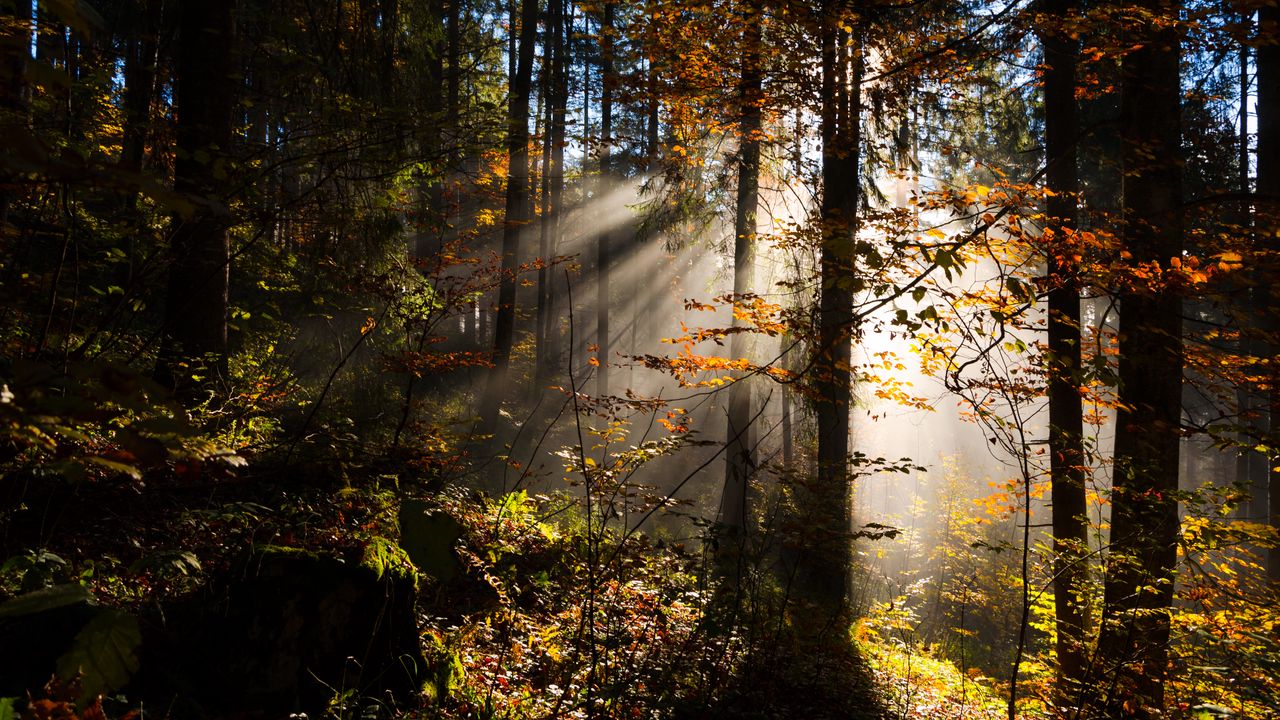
(277, 551)
(444, 669)
(384, 557)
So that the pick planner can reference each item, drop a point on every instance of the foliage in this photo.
(915, 681)
(570, 546)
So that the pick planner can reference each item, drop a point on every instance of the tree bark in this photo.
(1144, 515)
(1252, 468)
(140, 82)
(194, 339)
(1066, 429)
(516, 214)
(735, 512)
(1268, 72)
(826, 577)
(14, 51)
(604, 241)
(553, 190)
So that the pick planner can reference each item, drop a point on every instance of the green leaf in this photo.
(122, 468)
(104, 654)
(45, 599)
(7, 710)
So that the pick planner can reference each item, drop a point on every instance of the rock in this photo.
(428, 537)
(291, 631)
(36, 629)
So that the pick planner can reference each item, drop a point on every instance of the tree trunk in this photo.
(14, 51)
(1144, 515)
(517, 209)
(1268, 71)
(1252, 468)
(826, 578)
(140, 83)
(735, 512)
(557, 91)
(194, 342)
(604, 241)
(432, 213)
(1066, 429)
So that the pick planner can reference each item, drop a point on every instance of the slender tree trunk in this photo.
(194, 341)
(140, 83)
(1268, 73)
(517, 210)
(604, 241)
(1251, 466)
(1066, 429)
(788, 449)
(547, 91)
(827, 575)
(735, 512)
(558, 96)
(389, 18)
(1144, 515)
(586, 92)
(453, 53)
(646, 290)
(140, 60)
(432, 210)
(15, 44)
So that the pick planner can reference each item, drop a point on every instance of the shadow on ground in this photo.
(820, 679)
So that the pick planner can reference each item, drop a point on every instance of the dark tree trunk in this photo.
(1268, 71)
(735, 512)
(1066, 430)
(604, 241)
(1144, 516)
(432, 215)
(517, 210)
(826, 577)
(140, 83)
(1252, 468)
(194, 342)
(553, 191)
(14, 51)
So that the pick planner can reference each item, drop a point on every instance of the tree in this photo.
(141, 49)
(1139, 580)
(604, 240)
(14, 41)
(1066, 433)
(1268, 73)
(739, 448)
(827, 570)
(516, 216)
(194, 339)
(557, 91)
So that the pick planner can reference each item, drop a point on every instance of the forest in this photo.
(540, 359)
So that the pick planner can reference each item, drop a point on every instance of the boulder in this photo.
(290, 632)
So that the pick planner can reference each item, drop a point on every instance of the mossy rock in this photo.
(285, 632)
(383, 557)
(427, 536)
(445, 670)
(36, 629)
